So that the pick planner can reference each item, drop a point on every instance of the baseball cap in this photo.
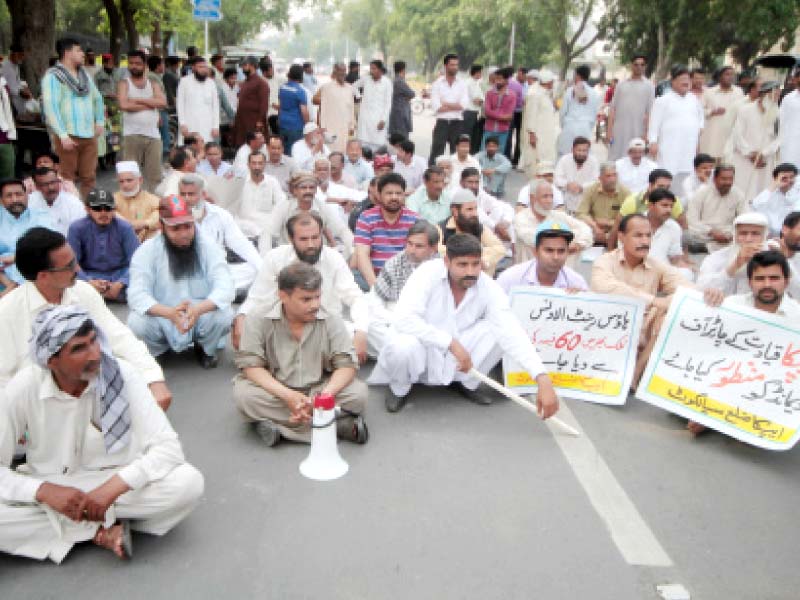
(99, 197)
(554, 228)
(382, 160)
(173, 210)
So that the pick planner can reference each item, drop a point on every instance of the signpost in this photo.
(206, 10)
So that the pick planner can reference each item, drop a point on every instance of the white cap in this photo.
(128, 166)
(309, 128)
(546, 76)
(637, 143)
(545, 168)
(533, 74)
(751, 218)
(462, 196)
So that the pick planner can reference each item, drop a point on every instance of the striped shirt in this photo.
(67, 113)
(384, 239)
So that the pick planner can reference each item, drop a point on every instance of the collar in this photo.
(621, 259)
(49, 388)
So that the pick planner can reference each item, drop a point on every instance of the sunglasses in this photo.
(101, 208)
(70, 266)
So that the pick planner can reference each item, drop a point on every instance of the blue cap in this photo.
(555, 228)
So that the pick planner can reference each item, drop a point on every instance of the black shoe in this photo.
(268, 432)
(394, 403)
(206, 361)
(353, 430)
(472, 396)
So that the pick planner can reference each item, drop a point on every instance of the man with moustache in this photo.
(780, 198)
(575, 171)
(253, 105)
(260, 195)
(135, 204)
(181, 289)
(337, 108)
(450, 318)
(713, 209)
(197, 103)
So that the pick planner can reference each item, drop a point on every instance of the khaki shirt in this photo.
(612, 275)
(597, 204)
(267, 342)
(141, 207)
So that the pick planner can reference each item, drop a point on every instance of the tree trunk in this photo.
(33, 26)
(155, 38)
(128, 14)
(115, 28)
(661, 60)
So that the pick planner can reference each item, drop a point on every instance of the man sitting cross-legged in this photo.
(290, 351)
(451, 317)
(102, 456)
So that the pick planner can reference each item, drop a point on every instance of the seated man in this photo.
(291, 351)
(666, 242)
(356, 165)
(340, 199)
(253, 142)
(338, 174)
(431, 201)
(464, 219)
(422, 244)
(548, 267)
(527, 222)
(461, 159)
(48, 263)
(6, 259)
(261, 193)
(181, 288)
(726, 268)
(135, 204)
(280, 166)
(339, 289)
(634, 170)
(544, 172)
(50, 160)
(16, 217)
(182, 160)
(780, 199)
(64, 208)
(411, 166)
(103, 245)
(703, 168)
(310, 147)
(789, 245)
(713, 209)
(494, 167)
(575, 171)
(381, 231)
(216, 223)
(450, 318)
(601, 202)
(495, 214)
(105, 459)
(213, 164)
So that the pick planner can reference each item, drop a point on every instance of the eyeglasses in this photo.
(70, 266)
(101, 208)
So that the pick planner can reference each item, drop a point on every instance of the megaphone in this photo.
(323, 462)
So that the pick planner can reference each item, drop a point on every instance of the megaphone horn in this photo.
(323, 462)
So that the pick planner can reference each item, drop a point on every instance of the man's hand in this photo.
(99, 285)
(360, 345)
(99, 130)
(713, 296)
(68, 144)
(501, 230)
(662, 302)
(532, 139)
(192, 314)
(113, 290)
(381, 125)
(461, 355)
(69, 501)
(721, 237)
(573, 290)
(574, 188)
(653, 149)
(162, 394)
(546, 399)
(101, 498)
(236, 331)
(215, 133)
(178, 316)
(300, 406)
(488, 173)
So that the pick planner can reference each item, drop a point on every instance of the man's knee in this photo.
(142, 326)
(187, 485)
(401, 348)
(354, 396)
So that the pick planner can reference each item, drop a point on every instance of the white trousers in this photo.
(37, 531)
(244, 274)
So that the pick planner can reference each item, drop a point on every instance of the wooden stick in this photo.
(521, 401)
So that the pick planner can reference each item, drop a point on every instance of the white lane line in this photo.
(634, 539)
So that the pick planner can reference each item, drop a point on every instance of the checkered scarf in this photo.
(54, 327)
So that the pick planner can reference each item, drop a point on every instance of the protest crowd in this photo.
(293, 221)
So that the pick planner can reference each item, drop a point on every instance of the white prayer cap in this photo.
(309, 128)
(533, 74)
(546, 76)
(444, 158)
(637, 143)
(128, 166)
(751, 218)
(462, 196)
(545, 168)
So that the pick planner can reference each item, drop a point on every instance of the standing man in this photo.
(253, 104)
(155, 73)
(578, 112)
(400, 121)
(198, 103)
(630, 109)
(540, 126)
(718, 107)
(107, 78)
(337, 115)
(293, 102)
(449, 98)
(519, 87)
(274, 82)
(8, 133)
(73, 109)
(376, 106)
(499, 108)
(790, 126)
(10, 71)
(473, 126)
(140, 100)
(674, 129)
(171, 80)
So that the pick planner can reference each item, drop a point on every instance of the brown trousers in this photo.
(79, 165)
(146, 151)
(651, 326)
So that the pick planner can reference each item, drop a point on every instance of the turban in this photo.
(302, 177)
(52, 329)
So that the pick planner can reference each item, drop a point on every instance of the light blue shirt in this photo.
(11, 229)
(361, 171)
(152, 283)
(433, 211)
(577, 118)
(501, 166)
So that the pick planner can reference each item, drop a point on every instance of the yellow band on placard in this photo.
(719, 411)
(572, 381)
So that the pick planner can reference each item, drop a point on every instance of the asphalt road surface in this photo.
(450, 500)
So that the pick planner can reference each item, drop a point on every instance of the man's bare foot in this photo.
(111, 539)
(695, 428)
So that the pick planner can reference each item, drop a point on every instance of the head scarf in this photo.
(52, 329)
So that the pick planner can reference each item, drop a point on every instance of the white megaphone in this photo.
(323, 462)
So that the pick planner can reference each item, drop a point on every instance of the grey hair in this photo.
(193, 179)
(608, 166)
(538, 183)
(299, 275)
(429, 230)
(322, 160)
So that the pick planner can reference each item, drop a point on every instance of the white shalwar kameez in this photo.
(675, 125)
(427, 320)
(754, 131)
(65, 448)
(197, 106)
(790, 128)
(376, 104)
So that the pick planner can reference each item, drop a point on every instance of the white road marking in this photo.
(634, 539)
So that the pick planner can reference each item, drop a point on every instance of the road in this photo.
(450, 500)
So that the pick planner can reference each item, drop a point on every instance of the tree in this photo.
(115, 27)
(33, 26)
(244, 18)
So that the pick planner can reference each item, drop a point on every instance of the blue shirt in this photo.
(11, 229)
(361, 170)
(103, 250)
(69, 114)
(501, 165)
(291, 97)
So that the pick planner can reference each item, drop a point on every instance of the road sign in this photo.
(207, 10)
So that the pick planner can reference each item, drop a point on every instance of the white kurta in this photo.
(197, 105)
(337, 112)
(66, 449)
(717, 129)
(790, 129)
(568, 171)
(65, 210)
(675, 125)
(376, 104)
(540, 118)
(754, 131)
(258, 200)
(634, 177)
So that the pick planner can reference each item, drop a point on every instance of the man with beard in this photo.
(16, 217)
(528, 220)
(789, 119)
(107, 78)
(464, 219)
(630, 108)
(381, 231)
(578, 113)
(251, 111)
(789, 245)
(339, 289)
(540, 126)
(376, 106)
(575, 171)
(140, 100)
(292, 351)
(134, 204)
(336, 108)
(713, 209)
(339, 199)
(197, 103)
(51, 269)
(450, 318)
(181, 288)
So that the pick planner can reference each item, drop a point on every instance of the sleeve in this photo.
(264, 100)
(74, 241)
(605, 282)
(236, 241)
(511, 337)
(387, 102)
(585, 207)
(505, 165)
(524, 228)
(696, 226)
(407, 92)
(560, 178)
(264, 288)
(493, 250)
(14, 487)
(740, 142)
(671, 279)
(713, 274)
(436, 97)
(339, 229)
(252, 350)
(51, 93)
(180, 105)
(142, 281)
(215, 109)
(350, 294)
(410, 311)
(363, 235)
(161, 449)
(656, 116)
(219, 273)
(342, 353)
(225, 106)
(99, 106)
(464, 101)
(582, 232)
(130, 243)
